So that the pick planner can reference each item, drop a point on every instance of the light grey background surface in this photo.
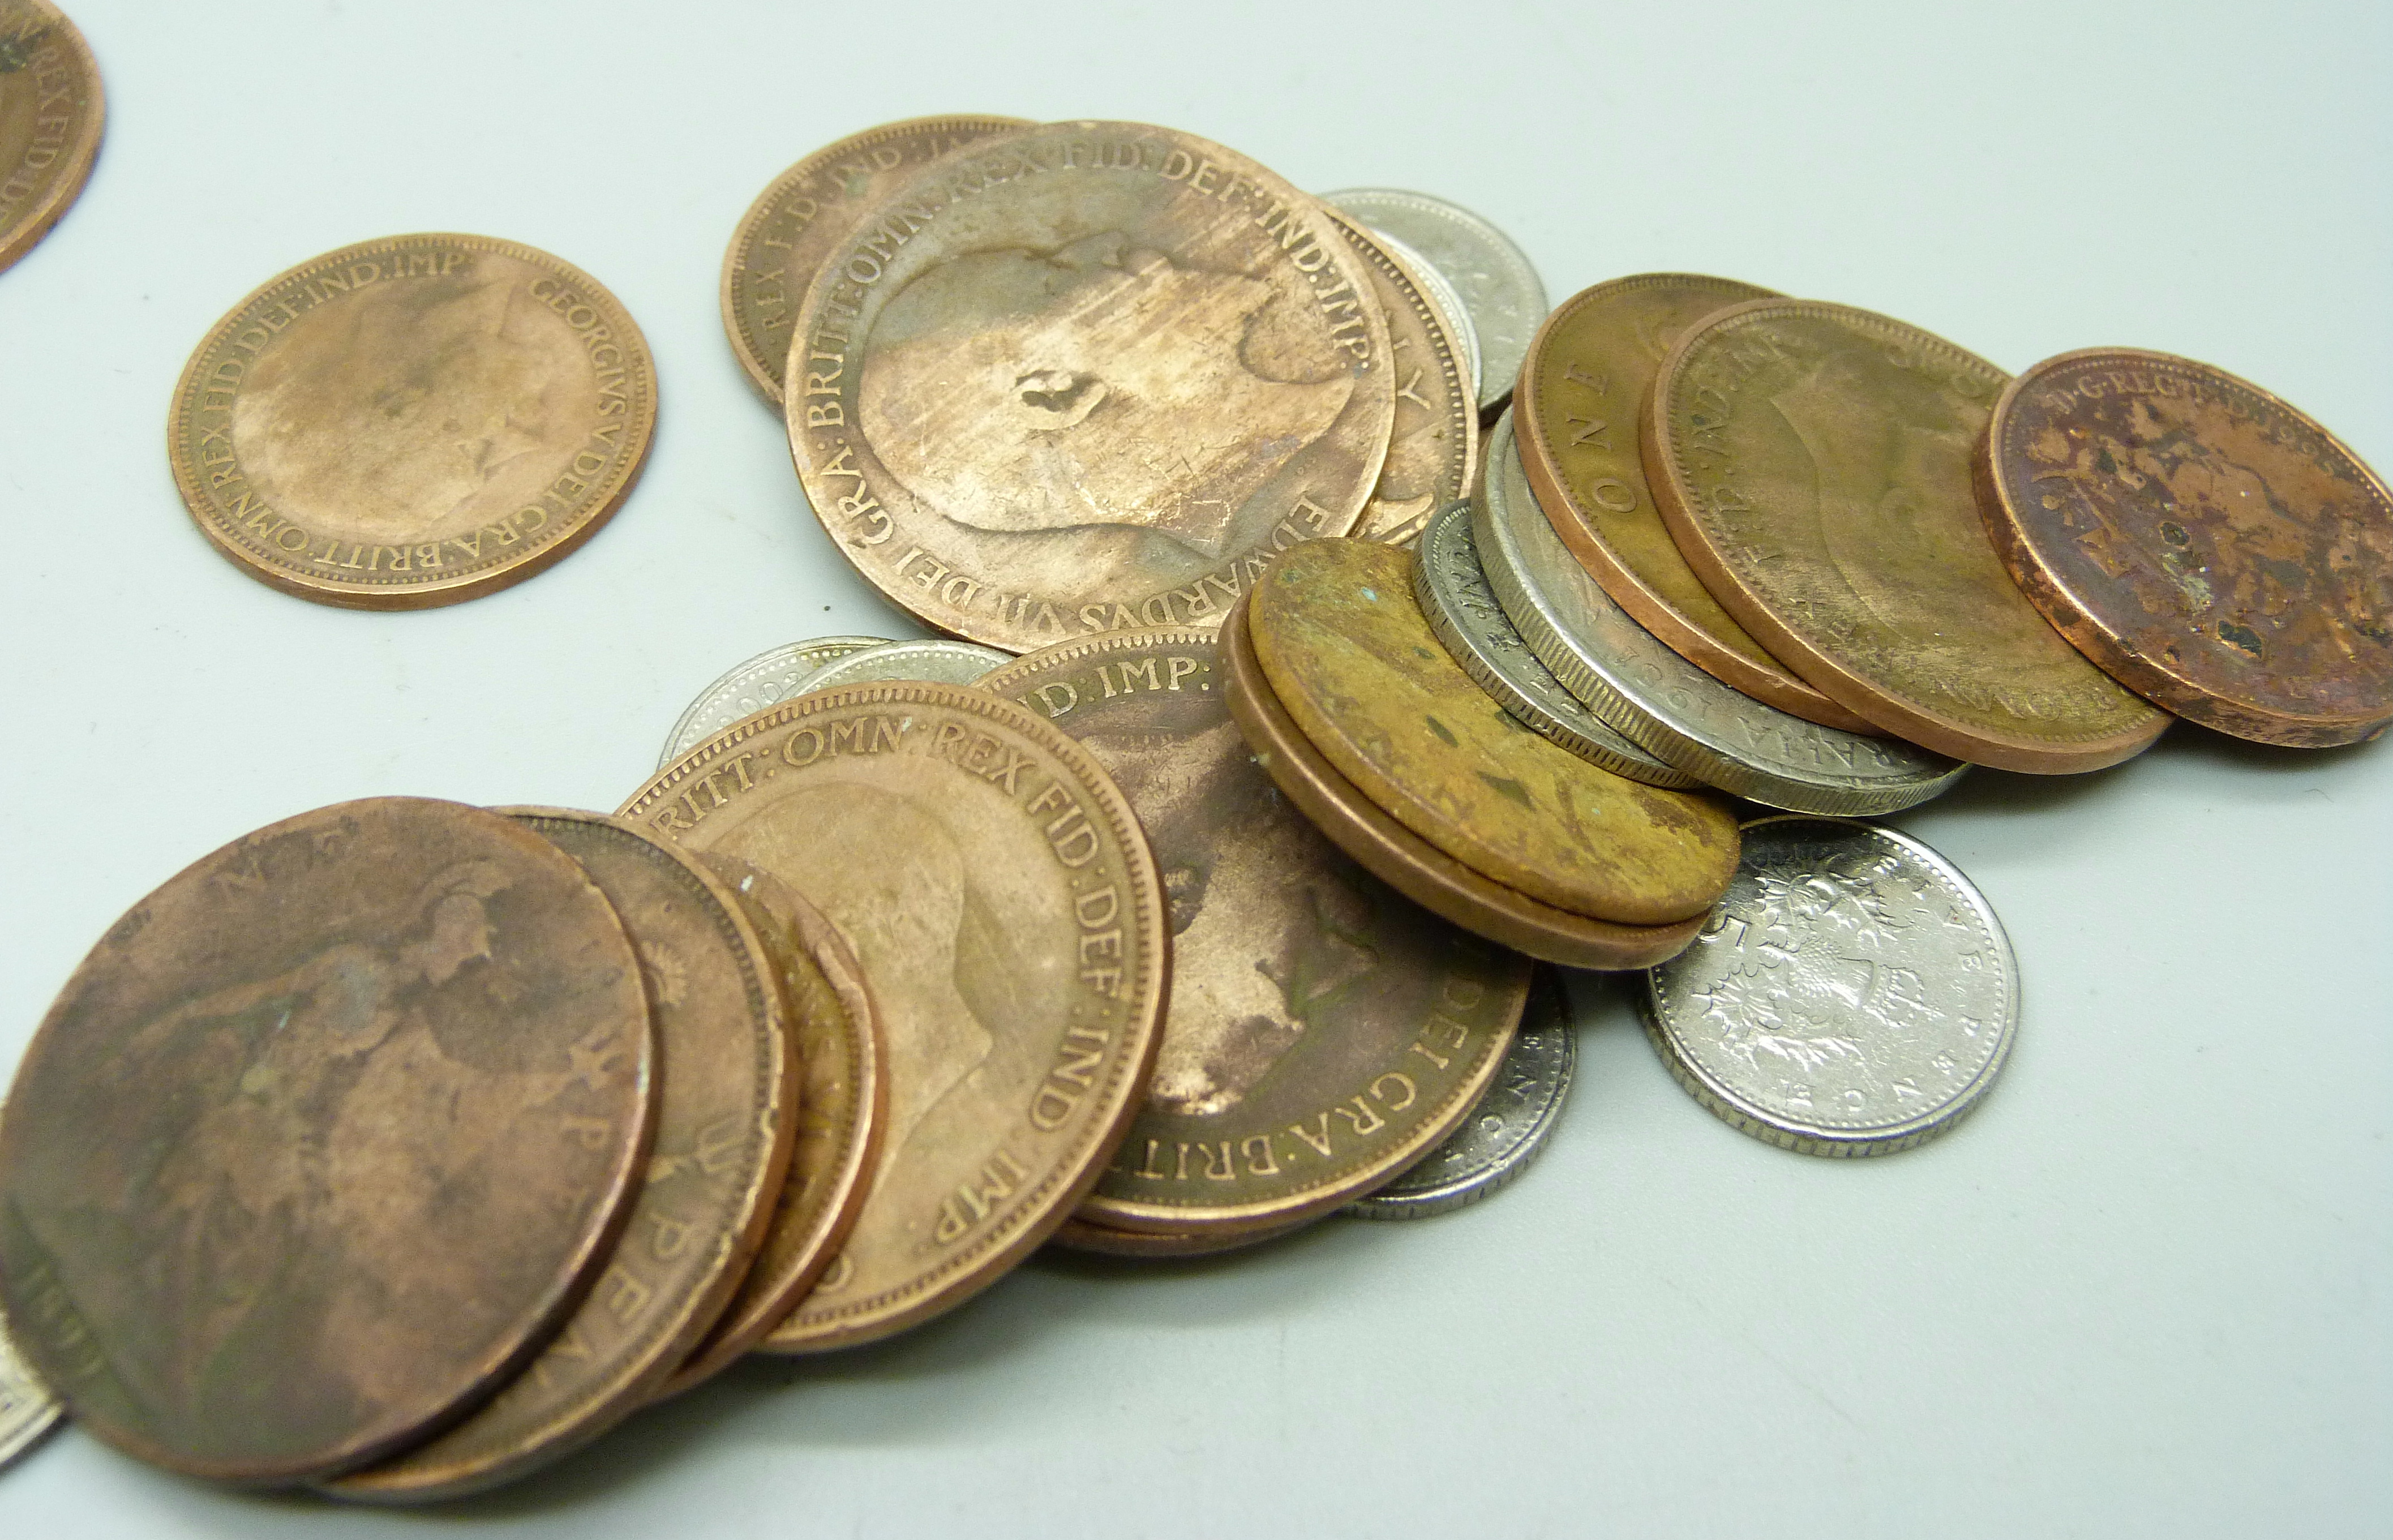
(2143, 1290)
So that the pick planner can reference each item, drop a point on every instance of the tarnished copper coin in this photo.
(1436, 450)
(2209, 546)
(1813, 462)
(1078, 1234)
(320, 1141)
(1323, 1030)
(1087, 376)
(725, 1111)
(51, 112)
(794, 224)
(412, 422)
(1009, 921)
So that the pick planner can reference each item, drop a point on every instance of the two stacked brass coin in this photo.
(51, 111)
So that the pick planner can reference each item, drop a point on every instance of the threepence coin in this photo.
(412, 422)
(51, 112)
(1502, 290)
(1435, 454)
(764, 680)
(1852, 995)
(938, 661)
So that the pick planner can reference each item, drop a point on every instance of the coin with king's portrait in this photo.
(50, 119)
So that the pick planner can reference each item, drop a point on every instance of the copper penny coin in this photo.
(1435, 452)
(1323, 1030)
(1813, 462)
(725, 1106)
(1000, 896)
(318, 1144)
(1080, 1234)
(412, 422)
(794, 224)
(1083, 377)
(51, 112)
(2209, 546)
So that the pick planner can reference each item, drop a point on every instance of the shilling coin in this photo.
(725, 1112)
(764, 680)
(937, 661)
(1852, 995)
(51, 112)
(1505, 1131)
(1087, 376)
(2209, 546)
(1010, 925)
(412, 422)
(1322, 1030)
(1813, 462)
(1500, 287)
(322, 1140)
(1657, 699)
(1435, 452)
(28, 1411)
(1078, 1234)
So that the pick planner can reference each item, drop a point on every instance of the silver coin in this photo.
(1501, 289)
(1657, 699)
(1510, 1126)
(938, 663)
(1439, 290)
(28, 1410)
(1852, 995)
(764, 680)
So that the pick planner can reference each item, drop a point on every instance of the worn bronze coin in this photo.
(1009, 923)
(1323, 1030)
(1813, 462)
(1078, 1234)
(2208, 545)
(794, 224)
(1435, 452)
(726, 1110)
(322, 1138)
(51, 113)
(412, 422)
(1083, 377)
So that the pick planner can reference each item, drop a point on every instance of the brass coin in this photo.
(412, 422)
(1405, 861)
(1353, 662)
(725, 1109)
(1323, 1031)
(1576, 421)
(1435, 450)
(794, 224)
(1813, 462)
(51, 113)
(2209, 546)
(1085, 377)
(1078, 1234)
(322, 1138)
(1008, 921)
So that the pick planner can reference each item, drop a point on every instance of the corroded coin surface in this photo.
(1501, 287)
(51, 112)
(1009, 923)
(795, 223)
(412, 422)
(1852, 995)
(1436, 450)
(1321, 1029)
(2211, 547)
(937, 661)
(1089, 377)
(317, 1144)
(764, 680)
(725, 1111)
(1813, 462)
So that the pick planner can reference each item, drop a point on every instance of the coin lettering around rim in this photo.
(412, 422)
(1500, 285)
(1435, 452)
(322, 1138)
(764, 680)
(51, 113)
(2207, 545)
(937, 661)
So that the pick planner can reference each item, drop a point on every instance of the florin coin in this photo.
(321, 1140)
(1813, 462)
(1089, 376)
(938, 661)
(1436, 287)
(1512, 1123)
(51, 112)
(1852, 995)
(726, 1110)
(790, 229)
(1078, 1234)
(764, 680)
(1500, 287)
(1321, 1029)
(1452, 591)
(2209, 546)
(1352, 662)
(1666, 704)
(1436, 450)
(1009, 921)
(412, 422)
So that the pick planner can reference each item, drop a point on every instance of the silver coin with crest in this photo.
(764, 680)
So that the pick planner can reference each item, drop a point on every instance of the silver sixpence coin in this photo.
(1499, 288)
(1439, 290)
(764, 680)
(1453, 593)
(1510, 1126)
(1852, 995)
(935, 662)
(27, 1408)
(1666, 705)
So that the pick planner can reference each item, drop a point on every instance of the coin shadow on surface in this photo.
(2189, 743)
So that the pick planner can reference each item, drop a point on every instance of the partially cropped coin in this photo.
(764, 680)
(1852, 995)
(28, 1410)
(933, 663)
(1499, 287)
(51, 113)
